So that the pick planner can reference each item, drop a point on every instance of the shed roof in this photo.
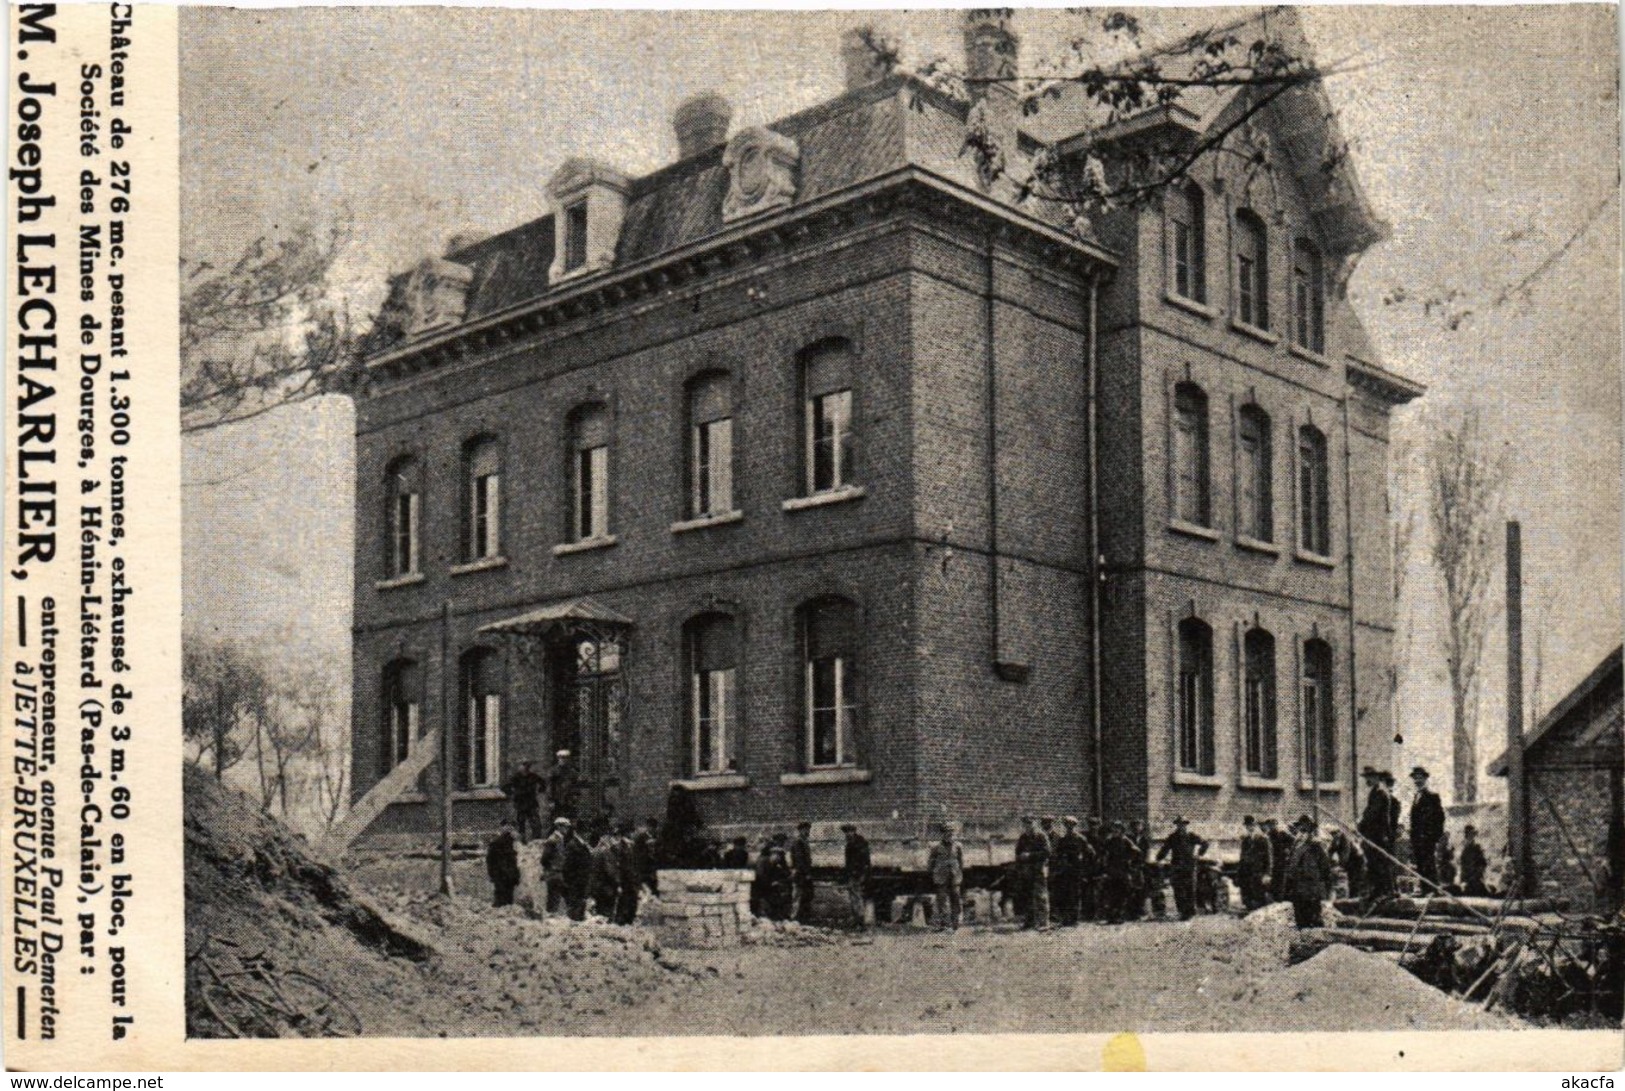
(1611, 671)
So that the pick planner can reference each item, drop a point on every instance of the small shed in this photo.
(1575, 810)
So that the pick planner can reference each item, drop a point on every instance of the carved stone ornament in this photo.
(761, 173)
(436, 295)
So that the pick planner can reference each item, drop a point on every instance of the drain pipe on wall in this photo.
(991, 361)
(1094, 568)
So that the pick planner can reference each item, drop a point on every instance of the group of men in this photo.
(610, 871)
(1432, 857)
(530, 794)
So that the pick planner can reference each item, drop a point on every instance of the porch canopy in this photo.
(557, 618)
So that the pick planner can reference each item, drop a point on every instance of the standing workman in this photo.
(1308, 874)
(1377, 829)
(946, 866)
(1032, 873)
(778, 890)
(1427, 828)
(1257, 862)
(629, 872)
(1069, 862)
(1120, 857)
(801, 869)
(1280, 851)
(1474, 864)
(553, 864)
(1180, 849)
(856, 874)
(1094, 879)
(1046, 826)
(502, 865)
(524, 792)
(1347, 855)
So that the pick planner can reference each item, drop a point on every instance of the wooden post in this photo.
(1517, 802)
(446, 682)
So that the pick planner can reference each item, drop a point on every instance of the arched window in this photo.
(1314, 493)
(712, 647)
(827, 421)
(1319, 713)
(1187, 226)
(1258, 704)
(482, 499)
(1252, 270)
(404, 489)
(589, 473)
(1308, 297)
(1195, 697)
(830, 647)
(402, 693)
(710, 446)
(1191, 492)
(1255, 483)
(482, 686)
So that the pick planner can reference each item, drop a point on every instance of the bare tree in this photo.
(268, 330)
(225, 691)
(329, 756)
(1465, 480)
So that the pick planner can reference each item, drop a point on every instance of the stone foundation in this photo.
(703, 908)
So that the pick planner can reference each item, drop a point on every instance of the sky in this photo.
(1487, 137)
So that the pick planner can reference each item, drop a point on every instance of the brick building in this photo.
(823, 474)
(1574, 807)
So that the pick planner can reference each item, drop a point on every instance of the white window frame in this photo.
(402, 727)
(839, 441)
(1252, 271)
(1192, 452)
(403, 518)
(574, 249)
(1198, 700)
(1259, 696)
(590, 517)
(485, 517)
(1308, 298)
(485, 727)
(1314, 493)
(711, 468)
(1256, 475)
(844, 709)
(713, 703)
(1192, 257)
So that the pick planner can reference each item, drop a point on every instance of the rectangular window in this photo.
(1190, 724)
(829, 441)
(405, 553)
(830, 712)
(484, 500)
(592, 493)
(1183, 281)
(575, 236)
(1319, 717)
(484, 739)
(403, 730)
(712, 485)
(1194, 727)
(713, 704)
(1246, 301)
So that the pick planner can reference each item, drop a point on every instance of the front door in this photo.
(589, 708)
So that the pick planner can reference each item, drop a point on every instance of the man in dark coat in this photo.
(604, 886)
(801, 867)
(1072, 854)
(1255, 866)
(1280, 849)
(524, 792)
(1094, 875)
(1345, 853)
(1474, 865)
(1032, 873)
(553, 864)
(856, 873)
(630, 874)
(1121, 857)
(738, 855)
(1308, 875)
(567, 861)
(778, 891)
(1180, 848)
(502, 865)
(1427, 827)
(1377, 829)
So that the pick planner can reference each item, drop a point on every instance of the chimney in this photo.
(701, 123)
(865, 57)
(992, 56)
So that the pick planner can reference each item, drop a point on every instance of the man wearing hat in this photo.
(1181, 848)
(502, 865)
(1072, 856)
(801, 869)
(1377, 829)
(1256, 864)
(524, 792)
(1474, 864)
(1308, 874)
(553, 864)
(856, 873)
(1122, 856)
(946, 863)
(1046, 826)
(567, 864)
(1280, 850)
(1427, 829)
(1032, 873)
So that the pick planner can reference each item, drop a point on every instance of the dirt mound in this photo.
(256, 896)
(1344, 988)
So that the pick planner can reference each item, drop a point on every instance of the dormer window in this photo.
(589, 203)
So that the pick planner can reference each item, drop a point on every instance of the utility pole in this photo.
(1517, 804)
(445, 747)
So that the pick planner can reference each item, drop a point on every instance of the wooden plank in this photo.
(366, 809)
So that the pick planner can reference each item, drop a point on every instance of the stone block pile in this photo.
(704, 908)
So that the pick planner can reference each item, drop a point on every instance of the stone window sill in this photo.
(700, 522)
(1201, 310)
(1257, 545)
(1193, 530)
(825, 776)
(820, 499)
(586, 545)
(714, 782)
(1319, 359)
(1255, 332)
(398, 581)
(487, 793)
(1198, 780)
(484, 564)
(1263, 784)
(1318, 559)
(1307, 786)
(412, 797)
